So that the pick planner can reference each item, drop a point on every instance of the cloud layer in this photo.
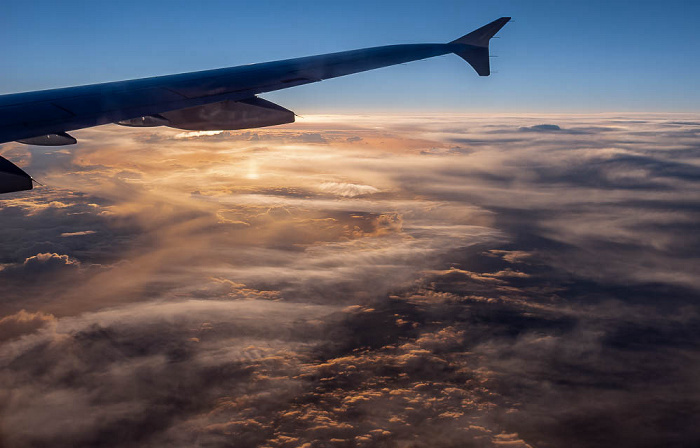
(357, 281)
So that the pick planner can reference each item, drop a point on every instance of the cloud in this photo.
(195, 134)
(81, 233)
(347, 190)
(450, 281)
(41, 263)
(541, 128)
(22, 323)
(132, 361)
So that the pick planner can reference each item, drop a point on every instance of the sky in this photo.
(572, 57)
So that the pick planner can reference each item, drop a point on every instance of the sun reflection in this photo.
(252, 170)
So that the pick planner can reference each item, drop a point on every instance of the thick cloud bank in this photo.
(357, 281)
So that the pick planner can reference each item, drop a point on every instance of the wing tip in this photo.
(480, 37)
(474, 47)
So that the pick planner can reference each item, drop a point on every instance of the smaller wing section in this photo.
(229, 115)
(12, 178)
(56, 139)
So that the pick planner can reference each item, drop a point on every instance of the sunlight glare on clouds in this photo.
(193, 134)
(252, 170)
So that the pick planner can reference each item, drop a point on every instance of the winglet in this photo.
(474, 47)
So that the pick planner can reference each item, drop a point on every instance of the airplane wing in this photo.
(207, 100)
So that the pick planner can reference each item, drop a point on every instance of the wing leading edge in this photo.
(45, 117)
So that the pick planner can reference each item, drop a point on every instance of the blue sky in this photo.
(557, 56)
